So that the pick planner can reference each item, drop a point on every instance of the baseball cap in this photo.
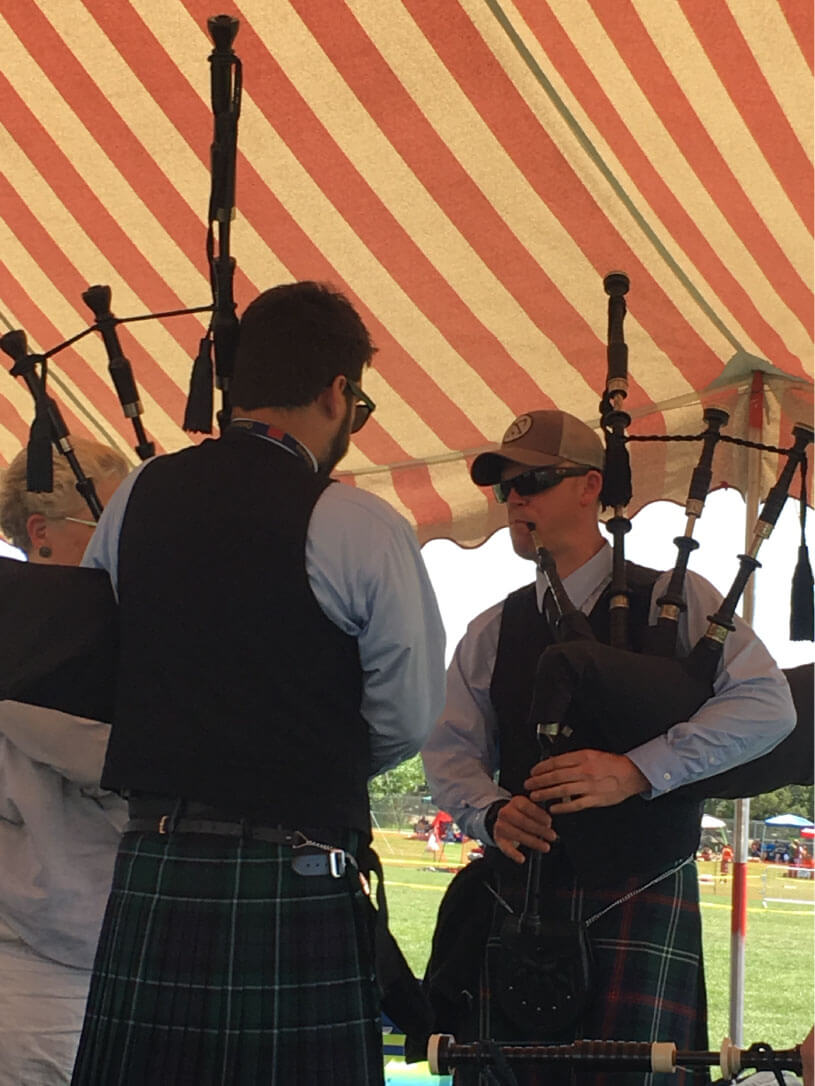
(540, 438)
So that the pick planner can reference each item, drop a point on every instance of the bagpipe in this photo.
(499, 1061)
(588, 694)
(48, 428)
(615, 696)
(63, 652)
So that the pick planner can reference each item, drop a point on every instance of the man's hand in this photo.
(584, 778)
(522, 822)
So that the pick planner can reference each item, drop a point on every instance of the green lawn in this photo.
(779, 970)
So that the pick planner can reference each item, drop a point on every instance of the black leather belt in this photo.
(163, 824)
(312, 856)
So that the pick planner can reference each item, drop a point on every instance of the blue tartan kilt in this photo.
(218, 964)
(647, 970)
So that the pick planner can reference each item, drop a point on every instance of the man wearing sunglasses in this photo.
(280, 644)
(644, 929)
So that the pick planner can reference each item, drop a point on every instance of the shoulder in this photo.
(343, 506)
(701, 588)
(480, 641)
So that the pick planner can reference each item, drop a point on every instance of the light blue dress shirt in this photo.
(750, 713)
(367, 574)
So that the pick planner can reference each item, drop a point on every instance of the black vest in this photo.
(234, 688)
(604, 844)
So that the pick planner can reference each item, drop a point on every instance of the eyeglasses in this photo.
(535, 481)
(363, 408)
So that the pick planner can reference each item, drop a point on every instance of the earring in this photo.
(45, 551)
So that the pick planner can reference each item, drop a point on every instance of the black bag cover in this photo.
(60, 638)
(402, 997)
(544, 976)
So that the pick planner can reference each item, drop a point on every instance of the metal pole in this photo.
(741, 825)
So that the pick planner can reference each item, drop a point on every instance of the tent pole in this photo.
(741, 824)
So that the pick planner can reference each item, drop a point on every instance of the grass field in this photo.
(779, 964)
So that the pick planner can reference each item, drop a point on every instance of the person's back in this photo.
(280, 643)
(230, 618)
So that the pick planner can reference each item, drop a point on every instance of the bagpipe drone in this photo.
(54, 660)
(48, 427)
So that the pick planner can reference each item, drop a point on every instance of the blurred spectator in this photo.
(726, 860)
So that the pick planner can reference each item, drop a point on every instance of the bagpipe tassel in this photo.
(198, 413)
(802, 611)
(802, 602)
(39, 458)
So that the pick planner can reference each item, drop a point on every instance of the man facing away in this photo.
(280, 644)
(638, 908)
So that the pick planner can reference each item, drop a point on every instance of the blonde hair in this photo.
(17, 503)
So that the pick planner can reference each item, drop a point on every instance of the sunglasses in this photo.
(363, 408)
(535, 481)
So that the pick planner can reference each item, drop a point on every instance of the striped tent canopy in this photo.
(467, 171)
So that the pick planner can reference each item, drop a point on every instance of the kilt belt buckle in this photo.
(332, 861)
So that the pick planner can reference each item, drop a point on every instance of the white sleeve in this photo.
(369, 578)
(750, 712)
(461, 756)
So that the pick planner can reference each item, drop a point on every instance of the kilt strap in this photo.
(274, 834)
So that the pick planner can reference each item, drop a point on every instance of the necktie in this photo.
(551, 612)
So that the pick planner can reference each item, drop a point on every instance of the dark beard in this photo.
(339, 444)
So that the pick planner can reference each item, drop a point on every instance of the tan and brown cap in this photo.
(539, 439)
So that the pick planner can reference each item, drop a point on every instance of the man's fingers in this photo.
(568, 806)
(559, 793)
(538, 822)
(521, 822)
(509, 845)
(510, 849)
(564, 775)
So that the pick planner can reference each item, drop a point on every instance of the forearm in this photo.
(460, 785)
(750, 712)
(744, 721)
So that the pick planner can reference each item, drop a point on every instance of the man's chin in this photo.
(339, 447)
(522, 542)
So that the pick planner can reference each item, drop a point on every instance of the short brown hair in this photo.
(294, 340)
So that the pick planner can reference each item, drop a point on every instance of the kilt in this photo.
(648, 982)
(218, 964)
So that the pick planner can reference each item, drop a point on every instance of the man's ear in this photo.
(37, 528)
(332, 398)
(592, 486)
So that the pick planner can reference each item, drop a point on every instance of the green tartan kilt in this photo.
(648, 979)
(218, 964)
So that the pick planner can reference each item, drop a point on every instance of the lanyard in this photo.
(278, 436)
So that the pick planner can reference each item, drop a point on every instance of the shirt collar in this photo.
(583, 585)
(278, 437)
